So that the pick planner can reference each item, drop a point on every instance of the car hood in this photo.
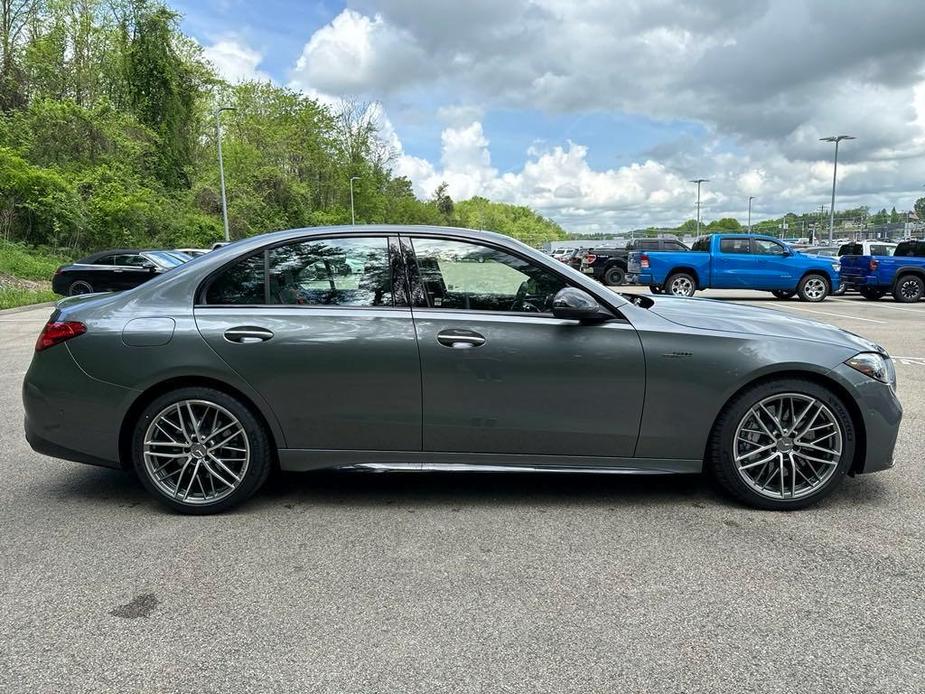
(707, 314)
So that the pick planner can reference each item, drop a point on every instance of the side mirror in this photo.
(149, 266)
(574, 304)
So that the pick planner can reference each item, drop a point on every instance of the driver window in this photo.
(765, 247)
(467, 276)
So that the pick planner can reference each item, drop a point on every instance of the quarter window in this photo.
(332, 272)
(242, 283)
(468, 276)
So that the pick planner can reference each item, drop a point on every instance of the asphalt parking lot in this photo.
(348, 582)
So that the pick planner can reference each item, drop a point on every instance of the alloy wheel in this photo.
(79, 287)
(682, 286)
(815, 288)
(909, 288)
(196, 452)
(787, 446)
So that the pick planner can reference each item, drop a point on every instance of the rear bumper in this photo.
(71, 415)
(859, 280)
(641, 278)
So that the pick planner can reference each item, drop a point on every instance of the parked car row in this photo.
(117, 269)
(750, 261)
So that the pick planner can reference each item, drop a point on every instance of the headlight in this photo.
(874, 365)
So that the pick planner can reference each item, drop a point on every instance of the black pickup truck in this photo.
(608, 265)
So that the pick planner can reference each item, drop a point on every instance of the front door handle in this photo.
(247, 333)
(460, 339)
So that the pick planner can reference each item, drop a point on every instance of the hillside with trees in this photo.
(108, 138)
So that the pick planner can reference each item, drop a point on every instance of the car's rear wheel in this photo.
(614, 276)
(783, 293)
(681, 284)
(782, 444)
(908, 289)
(870, 293)
(199, 450)
(813, 288)
(78, 287)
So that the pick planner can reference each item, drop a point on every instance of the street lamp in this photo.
(221, 165)
(750, 198)
(836, 139)
(698, 181)
(353, 218)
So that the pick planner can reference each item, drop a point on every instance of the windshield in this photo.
(165, 259)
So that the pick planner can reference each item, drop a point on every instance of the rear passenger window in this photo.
(733, 246)
(242, 283)
(332, 272)
(908, 248)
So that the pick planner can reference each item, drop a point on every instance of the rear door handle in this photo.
(247, 333)
(460, 339)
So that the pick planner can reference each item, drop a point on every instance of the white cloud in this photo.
(355, 53)
(235, 60)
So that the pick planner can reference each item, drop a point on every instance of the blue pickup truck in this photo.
(901, 274)
(736, 261)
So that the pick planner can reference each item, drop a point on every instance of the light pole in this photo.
(750, 198)
(836, 139)
(353, 218)
(698, 181)
(221, 165)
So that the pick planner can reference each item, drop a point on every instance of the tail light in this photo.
(590, 258)
(56, 332)
(644, 261)
(873, 264)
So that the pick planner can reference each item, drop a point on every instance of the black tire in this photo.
(720, 463)
(783, 293)
(842, 289)
(680, 284)
(871, 294)
(814, 288)
(908, 289)
(614, 276)
(655, 289)
(79, 287)
(258, 467)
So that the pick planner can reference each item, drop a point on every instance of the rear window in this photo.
(911, 249)
(851, 249)
(737, 245)
(880, 249)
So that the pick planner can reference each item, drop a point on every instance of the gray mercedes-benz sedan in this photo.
(419, 348)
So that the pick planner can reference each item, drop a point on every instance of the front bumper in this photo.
(71, 415)
(881, 414)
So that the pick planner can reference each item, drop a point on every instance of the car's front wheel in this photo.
(813, 288)
(199, 450)
(681, 284)
(782, 444)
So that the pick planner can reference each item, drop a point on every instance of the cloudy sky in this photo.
(597, 113)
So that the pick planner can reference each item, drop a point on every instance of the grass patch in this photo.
(11, 297)
(28, 263)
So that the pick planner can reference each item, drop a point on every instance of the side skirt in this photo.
(300, 460)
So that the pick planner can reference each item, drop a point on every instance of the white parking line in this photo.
(909, 361)
(879, 304)
(827, 313)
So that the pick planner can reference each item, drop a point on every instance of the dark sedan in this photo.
(113, 270)
(419, 348)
